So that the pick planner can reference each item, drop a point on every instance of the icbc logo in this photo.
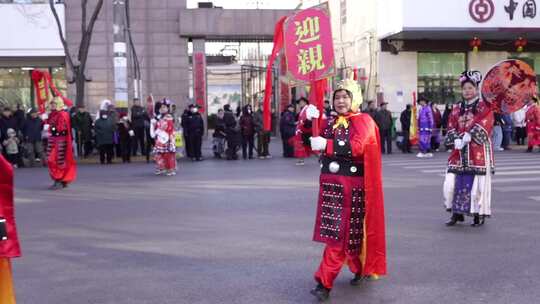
(481, 10)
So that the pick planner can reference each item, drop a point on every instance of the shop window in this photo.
(438, 76)
(15, 87)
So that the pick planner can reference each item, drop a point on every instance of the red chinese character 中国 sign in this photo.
(308, 45)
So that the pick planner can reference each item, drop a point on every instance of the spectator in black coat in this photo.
(405, 120)
(32, 129)
(195, 128)
(287, 128)
(187, 141)
(232, 131)
(139, 121)
(383, 118)
(125, 135)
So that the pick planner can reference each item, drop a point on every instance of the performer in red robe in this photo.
(533, 124)
(302, 148)
(62, 165)
(467, 185)
(350, 210)
(9, 244)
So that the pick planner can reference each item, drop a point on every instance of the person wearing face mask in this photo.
(162, 131)
(195, 127)
(218, 141)
(104, 129)
(62, 165)
(350, 209)
(467, 185)
(247, 129)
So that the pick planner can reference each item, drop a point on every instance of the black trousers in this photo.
(125, 151)
(288, 149)
(247, 144)
(521, 134)
(406, 143)
(263, 140)
(138, 141)
(386, 137)
(195, 144)
(106, 153)
(188, 146)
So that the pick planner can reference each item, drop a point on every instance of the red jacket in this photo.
(9, 248)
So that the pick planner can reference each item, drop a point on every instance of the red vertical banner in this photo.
(285, 89)
(42, 89)
(43, 83)
(199, 80)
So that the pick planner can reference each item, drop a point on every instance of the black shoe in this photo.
(356, 280)
(460, 218)
(477, 222)
(64, 184)
(56, 186)
(320, 292)
(453, 220)
(529, 150)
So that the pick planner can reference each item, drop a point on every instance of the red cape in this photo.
(374, 249)
(9, 248)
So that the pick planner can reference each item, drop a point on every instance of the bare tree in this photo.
(78, 67)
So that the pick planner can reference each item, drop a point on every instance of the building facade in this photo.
(422, 46)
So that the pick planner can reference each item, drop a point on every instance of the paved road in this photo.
(239, 232)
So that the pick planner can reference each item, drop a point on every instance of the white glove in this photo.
(317, 143)
(131, 133)
(458, 144)
(44, 116)
(312, 112)
(46, 127)
(466, 138)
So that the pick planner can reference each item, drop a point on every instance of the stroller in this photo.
(218, 143)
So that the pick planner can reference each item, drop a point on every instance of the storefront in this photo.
(427, 44)
(34, 45)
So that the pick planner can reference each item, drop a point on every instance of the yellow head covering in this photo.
(352, 86)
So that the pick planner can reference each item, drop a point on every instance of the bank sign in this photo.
(460, 14)
(483, 11)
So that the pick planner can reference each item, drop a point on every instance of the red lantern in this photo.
(475, 43)
(520, 44)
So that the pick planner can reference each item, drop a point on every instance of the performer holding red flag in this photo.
(9, 244)
(62, 165)
(350, 211)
